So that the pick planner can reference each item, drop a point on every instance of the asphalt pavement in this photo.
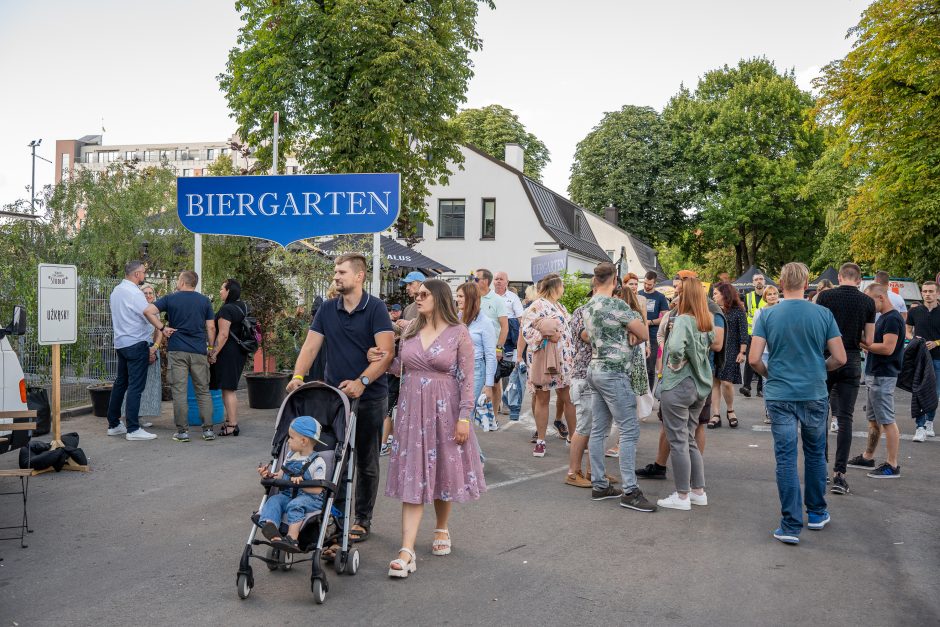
(153, 535)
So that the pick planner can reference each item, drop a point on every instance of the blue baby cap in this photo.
(307, 426)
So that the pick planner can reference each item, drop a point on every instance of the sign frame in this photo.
(58, 298)
(546, 264)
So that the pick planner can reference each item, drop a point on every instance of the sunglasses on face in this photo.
(422, 295)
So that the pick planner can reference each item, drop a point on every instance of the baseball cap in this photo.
(395, 307)
(413, 276)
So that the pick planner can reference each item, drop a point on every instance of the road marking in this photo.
(855, 434)
(545, 473)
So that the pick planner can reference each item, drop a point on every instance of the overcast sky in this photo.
(147, 69)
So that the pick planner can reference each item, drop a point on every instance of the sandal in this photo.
(228, 429)
(330, 552)
(612, 452)
(286, 544)
(441, 547)
(360, 536)
(404, 568)
(715, 422)
(732, 419)
(562, 429)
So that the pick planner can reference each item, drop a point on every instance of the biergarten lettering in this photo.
(352, 203)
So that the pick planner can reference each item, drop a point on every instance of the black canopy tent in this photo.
(745, 282)
(830, 274)
(397, 255)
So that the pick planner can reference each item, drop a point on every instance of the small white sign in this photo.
(58, 304)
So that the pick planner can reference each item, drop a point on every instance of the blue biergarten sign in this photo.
(285, 209)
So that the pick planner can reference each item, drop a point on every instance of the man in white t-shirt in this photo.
(494, 308)
(882, 278)
(514, 311)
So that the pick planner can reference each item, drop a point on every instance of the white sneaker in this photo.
(930, 432)
(834, 426)
(698, 499)
(674, 502)
(920, 435)
(146, 424)
(140, 434)
(118, 430)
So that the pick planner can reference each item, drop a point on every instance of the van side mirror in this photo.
(18, 325)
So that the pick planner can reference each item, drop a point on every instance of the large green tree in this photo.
(885, 97)
(362, 85)
(747, 142)
(490, 128)
(627, 161)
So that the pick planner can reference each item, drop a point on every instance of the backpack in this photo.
(248, 337)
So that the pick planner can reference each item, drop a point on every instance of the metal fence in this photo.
(92, 359)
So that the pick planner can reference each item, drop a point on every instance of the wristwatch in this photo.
(364, 380)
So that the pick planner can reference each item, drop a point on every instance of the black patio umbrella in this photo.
(830, 274)
(746, 280)
(398, 255)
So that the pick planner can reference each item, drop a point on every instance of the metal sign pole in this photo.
(376, 264)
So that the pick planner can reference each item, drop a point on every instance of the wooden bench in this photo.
(22, 421)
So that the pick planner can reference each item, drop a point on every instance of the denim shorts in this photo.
(880, 405)
(582, 397)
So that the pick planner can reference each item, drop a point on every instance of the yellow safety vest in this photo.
(750, 304)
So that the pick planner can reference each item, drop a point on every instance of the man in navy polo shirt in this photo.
(346, 327)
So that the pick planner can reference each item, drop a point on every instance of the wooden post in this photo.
(57, 408)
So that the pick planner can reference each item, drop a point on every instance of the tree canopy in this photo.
(491, 127)
(884, 96)
(627, 161)
(362, 85)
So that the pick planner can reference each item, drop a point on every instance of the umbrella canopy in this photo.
(830, 273)
(746, 280)
(397, 255)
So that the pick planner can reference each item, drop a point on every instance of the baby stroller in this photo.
(331, 408)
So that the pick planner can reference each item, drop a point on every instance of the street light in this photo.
(32, 189)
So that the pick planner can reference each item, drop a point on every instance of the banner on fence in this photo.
(285, 209)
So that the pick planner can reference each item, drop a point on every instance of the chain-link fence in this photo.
(90, 360)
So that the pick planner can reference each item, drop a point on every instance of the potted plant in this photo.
(100, 399)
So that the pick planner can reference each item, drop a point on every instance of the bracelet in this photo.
(298, 377)
(210, 347)
(161, 328)
(467, 420)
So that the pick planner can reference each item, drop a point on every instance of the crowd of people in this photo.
(427, 373)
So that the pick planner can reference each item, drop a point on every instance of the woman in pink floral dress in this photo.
(547, 309)
(434, 456)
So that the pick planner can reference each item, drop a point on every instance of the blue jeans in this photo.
(929, 416)
(514, 390)
(615, 401)
(788, 420)
(295, 508)
(133, 362)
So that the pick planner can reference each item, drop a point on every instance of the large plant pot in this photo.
(100, 399)
(266, 390)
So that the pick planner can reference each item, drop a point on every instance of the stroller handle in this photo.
(287, 483)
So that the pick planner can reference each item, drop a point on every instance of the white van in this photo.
(12, 382)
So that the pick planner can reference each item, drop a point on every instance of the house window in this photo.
(610, 254)
(225, 152)
(150, 155)
(577, 225)
(66, 160)
(488, 228)
(450, 221)
(187, 172)
(210, 154)
(89, 157)
(130, 155)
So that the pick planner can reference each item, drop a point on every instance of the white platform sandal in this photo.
(441, 547)
(405, 567)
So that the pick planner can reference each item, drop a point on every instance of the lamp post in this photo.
(32, 188)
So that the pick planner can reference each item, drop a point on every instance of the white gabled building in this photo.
(491, 215)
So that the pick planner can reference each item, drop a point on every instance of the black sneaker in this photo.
(745, 391)
(610, 492)
(885, 471)
(859, 461)
(651, 471)
(636, 500)
(839, 485)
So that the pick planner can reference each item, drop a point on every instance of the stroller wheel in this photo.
(242, 586)
(275, 556)
(319, 591)
(339, 564)
(352, 566)
(286, 560)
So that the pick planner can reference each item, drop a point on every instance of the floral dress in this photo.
(425, 464)
(544, 308)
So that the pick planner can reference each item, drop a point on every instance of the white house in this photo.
(491, 215)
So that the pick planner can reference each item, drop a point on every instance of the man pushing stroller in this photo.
(303, 464)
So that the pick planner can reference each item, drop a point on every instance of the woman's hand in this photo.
(462, 431)
(488, 391)
(375, 354)
(740, 358)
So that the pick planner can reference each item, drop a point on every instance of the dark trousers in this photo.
(369, 418)
(749, 373)
(133, 362)
(843, 387)
(651, 360)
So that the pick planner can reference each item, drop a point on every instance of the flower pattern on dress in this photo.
(582, 350)
(543, 308)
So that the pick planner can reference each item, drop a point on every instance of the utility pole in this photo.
(32, 188)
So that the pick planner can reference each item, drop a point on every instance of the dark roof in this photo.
(648, 256)
(398, 255)
(829, 273)
(746, 280)
(563, 219)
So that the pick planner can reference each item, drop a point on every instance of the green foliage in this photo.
(492, 127)
(885, 97)
(577, 291)
(627, 160)
(746, 143)
(362, 86)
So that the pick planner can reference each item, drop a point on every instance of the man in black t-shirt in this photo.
(855, 314)
(881, 377)
(924, 322)
(657, 306)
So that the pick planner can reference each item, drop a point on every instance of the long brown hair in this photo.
(693, 302)
(444, 309)
(627, 295)
(549, 286)
(471, 302)
(729, 295)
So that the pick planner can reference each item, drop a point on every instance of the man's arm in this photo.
(152, 314)
(837, 357)
(869, 335)
(756, 353)
(885, 347)
(308, 352)
(210, 331)
(503, 332)
(385, 341)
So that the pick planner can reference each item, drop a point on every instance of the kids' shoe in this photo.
(208, 434)
(181, 436)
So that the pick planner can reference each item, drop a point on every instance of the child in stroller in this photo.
(303, 464)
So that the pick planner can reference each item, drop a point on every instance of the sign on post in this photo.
(285, 209)
(546, 264)
(58, 304)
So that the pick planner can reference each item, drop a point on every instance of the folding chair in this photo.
(21, 431)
